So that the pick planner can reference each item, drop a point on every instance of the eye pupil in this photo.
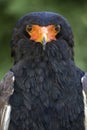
(57, 27)
(28, 27)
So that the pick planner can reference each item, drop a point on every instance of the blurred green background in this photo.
(75, 11)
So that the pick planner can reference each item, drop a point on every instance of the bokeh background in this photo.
(74, 10)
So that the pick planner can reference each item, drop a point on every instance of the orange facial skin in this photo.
(38, 33)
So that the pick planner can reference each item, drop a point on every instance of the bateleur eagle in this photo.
(48, 93)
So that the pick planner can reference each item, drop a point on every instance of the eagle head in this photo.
(41, 32)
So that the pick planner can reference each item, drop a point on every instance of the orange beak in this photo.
(42, 34)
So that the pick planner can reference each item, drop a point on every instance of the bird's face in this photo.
(40, 30)
(42, 34)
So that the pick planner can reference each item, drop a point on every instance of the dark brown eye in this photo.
(28, 28)
(57, 28)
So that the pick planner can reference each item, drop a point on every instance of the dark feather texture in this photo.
(48, 90)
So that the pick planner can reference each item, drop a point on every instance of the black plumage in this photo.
(48, 90)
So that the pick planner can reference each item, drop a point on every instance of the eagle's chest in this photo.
(39, 84)
(47, 83)
(46, 96)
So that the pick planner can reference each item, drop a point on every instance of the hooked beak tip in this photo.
(44, 43)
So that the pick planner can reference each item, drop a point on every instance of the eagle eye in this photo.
(57, 28)
(28, 28)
